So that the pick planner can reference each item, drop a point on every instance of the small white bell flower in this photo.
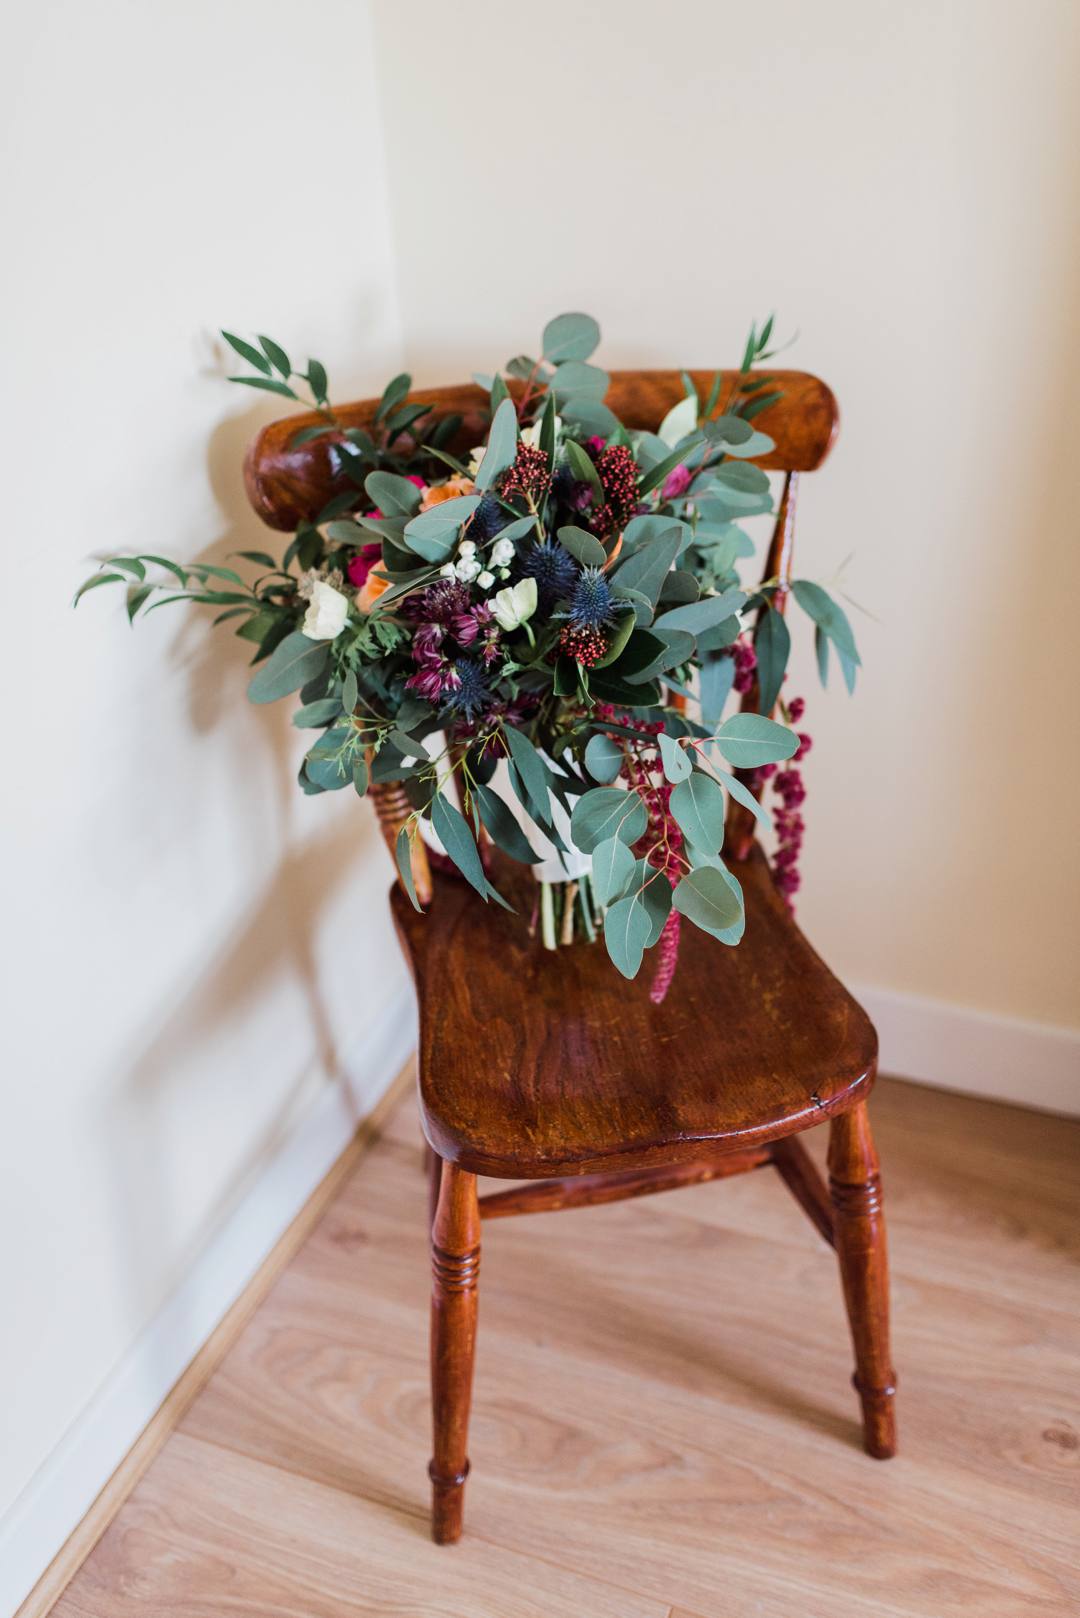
(467, 569)
(485, 580)
(467, 547)
(504, 573)
(502, 552)
(447, 571)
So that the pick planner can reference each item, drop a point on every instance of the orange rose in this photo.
(373, 589)
(450, 490)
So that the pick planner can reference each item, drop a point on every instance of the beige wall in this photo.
(902, 183)
(189, 943)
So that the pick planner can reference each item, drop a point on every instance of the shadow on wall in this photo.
(258, 989)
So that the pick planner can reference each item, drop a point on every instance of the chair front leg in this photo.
(455, 1258)
(859, 1229)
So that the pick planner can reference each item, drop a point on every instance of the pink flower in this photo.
(411, 477)
(677, 482)
(362, 563)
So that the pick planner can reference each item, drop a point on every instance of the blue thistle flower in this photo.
(592, 605)
(554, 570)
(472, 694)
(487, 519)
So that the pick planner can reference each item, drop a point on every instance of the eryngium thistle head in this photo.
(472, 694)
(592, 605)
(487, 519)
(554, 570)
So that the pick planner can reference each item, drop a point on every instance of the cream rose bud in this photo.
(467, 547)
(514, 605)
(448, 571)
(531, 435)
(325, 617)
(485, 580)
(467, 569)
(502, 552)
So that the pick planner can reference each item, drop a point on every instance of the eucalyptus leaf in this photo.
(433, 534)
(699, 809)
(772, 643)
(677, 761)
(715, 680)
(572, 378)
(626, 929)
(403, 856)
(583, 546)
(697, 616)
(607, 812)
(570, 337)
(647, 567)
(603, 757)
(706, 899)
(827, 614)
(748, 739)
(743, 795)
(613, 868)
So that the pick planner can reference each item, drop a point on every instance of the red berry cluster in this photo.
(530, 474)
(618, 474)
(586, 646)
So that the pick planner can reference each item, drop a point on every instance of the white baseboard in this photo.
(958, 1048)
(66, 1485)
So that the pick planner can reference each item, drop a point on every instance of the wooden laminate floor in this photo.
(663, 1421)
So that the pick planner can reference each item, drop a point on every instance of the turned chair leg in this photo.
(859, 1234)
(455, 1258)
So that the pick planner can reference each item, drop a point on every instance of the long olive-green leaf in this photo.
(503, 825)
(403, 856)
(501, 445)
(294, 662)
(772, 643)
(825, 612)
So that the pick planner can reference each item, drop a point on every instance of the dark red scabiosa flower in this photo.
(618, 474)
(530, 474)
(440, 603)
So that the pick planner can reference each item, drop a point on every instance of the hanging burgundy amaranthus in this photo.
(662, 843)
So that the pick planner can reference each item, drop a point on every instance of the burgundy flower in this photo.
(676, 483)
(362, 563)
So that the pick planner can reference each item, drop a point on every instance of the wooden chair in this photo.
(547, 1067)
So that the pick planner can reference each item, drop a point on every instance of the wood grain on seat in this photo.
(530, 1066)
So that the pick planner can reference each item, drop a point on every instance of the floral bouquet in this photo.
(534, 640)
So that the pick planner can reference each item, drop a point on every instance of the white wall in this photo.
(190, 945)
(902, 183)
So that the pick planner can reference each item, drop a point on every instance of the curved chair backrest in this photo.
(289, 483)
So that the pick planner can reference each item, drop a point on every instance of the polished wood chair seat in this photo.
(548, 1068)
(534, 1063)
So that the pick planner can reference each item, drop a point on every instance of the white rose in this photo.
(531, 435)
(515, 604)
(502, 552)
(325, 617)
(467, 569)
